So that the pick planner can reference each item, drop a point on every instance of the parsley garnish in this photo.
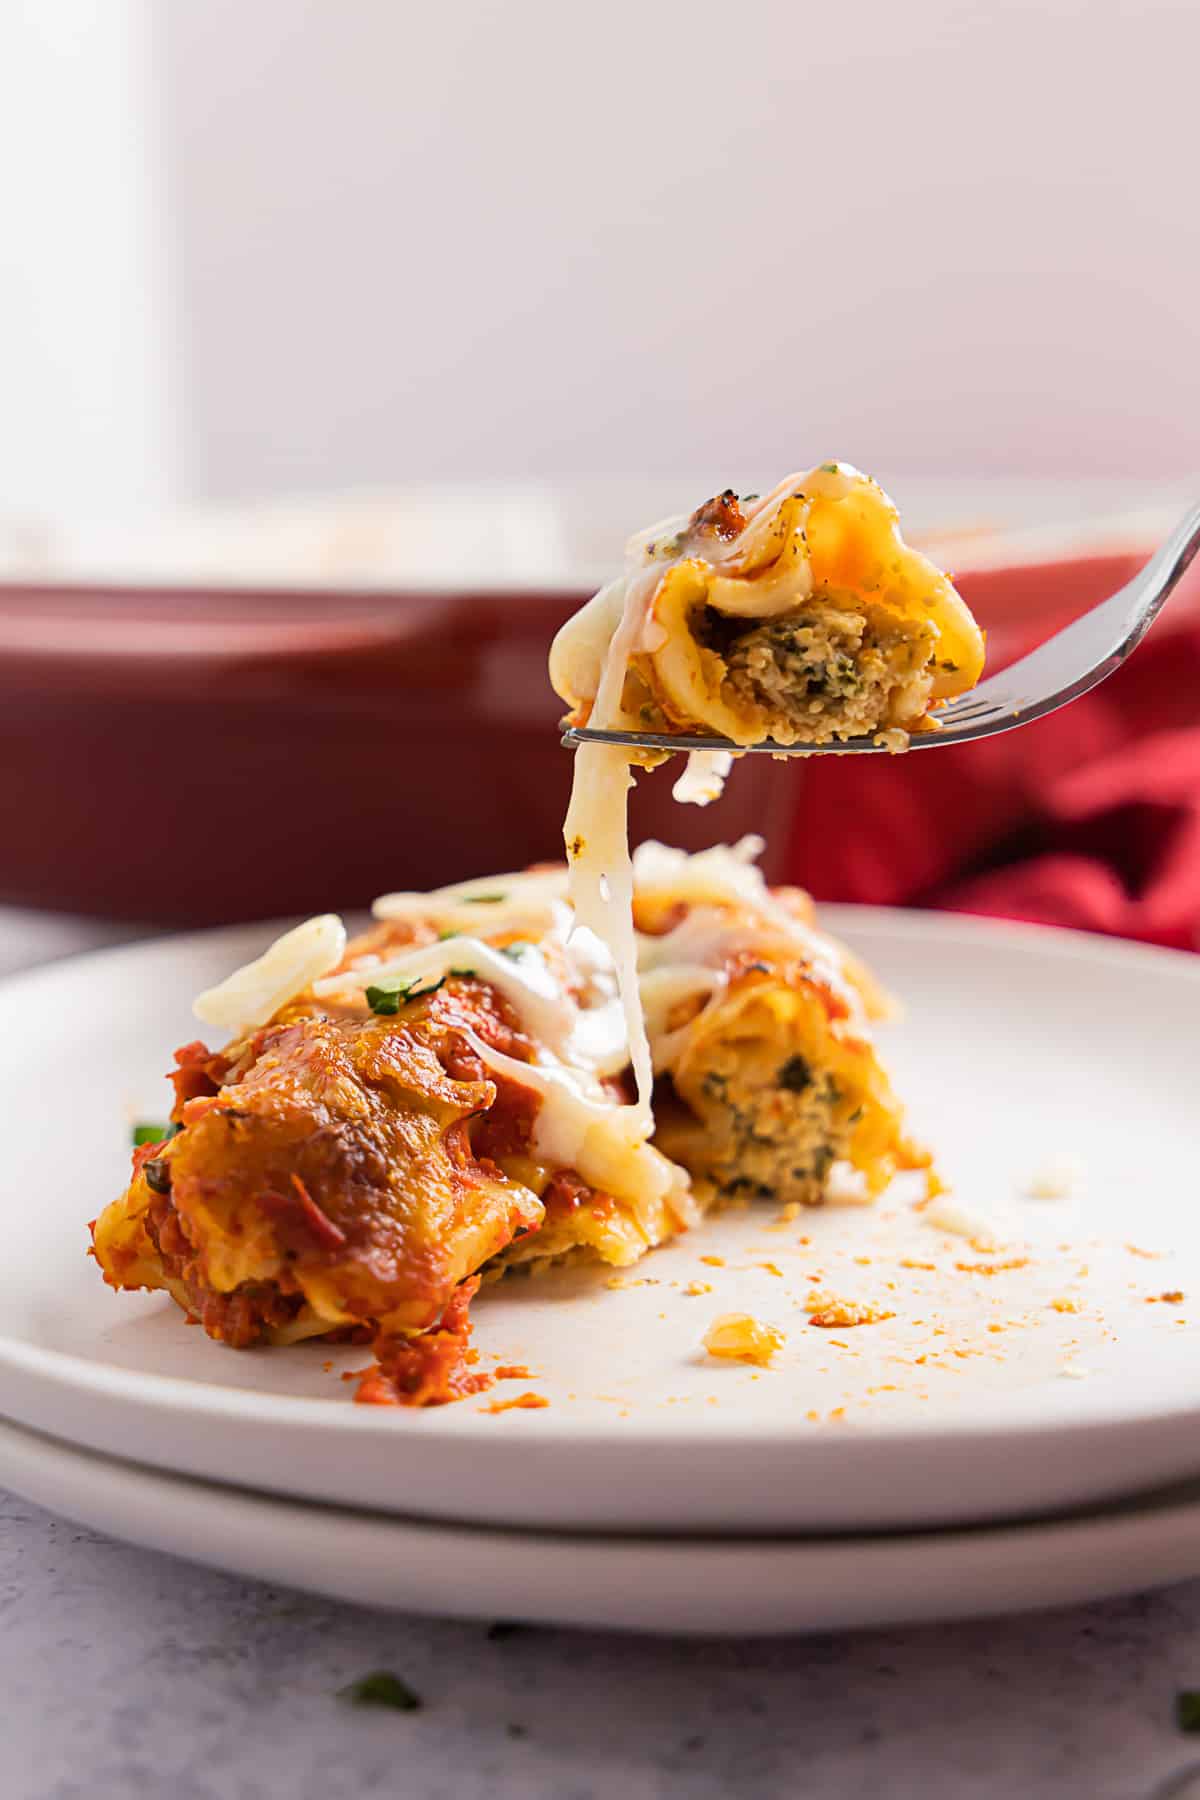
(829, 468)
(464, 974)
(795, 1075)
(482, 899)
(152, 1134)
(391, 996)
(519, 948)
(381, 1688)
(443, 935)
(751, 496)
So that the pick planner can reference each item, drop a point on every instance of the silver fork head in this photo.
(1067, 665)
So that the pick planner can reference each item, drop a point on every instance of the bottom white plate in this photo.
(688, 1585)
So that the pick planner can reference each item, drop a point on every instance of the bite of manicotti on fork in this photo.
(798, 616)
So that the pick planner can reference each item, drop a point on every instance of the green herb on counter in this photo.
(1187, 1709)
(381, 1688)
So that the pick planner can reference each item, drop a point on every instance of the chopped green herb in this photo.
(464, 974)
(751, 496)
(1187, 1709)
(829, 468)
(381, 1688)
(794, 1075)
(443, 935)
(519, 948)
(152, 1134)
(389, 997)
(482, 899)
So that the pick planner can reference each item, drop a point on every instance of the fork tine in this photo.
(975, 710)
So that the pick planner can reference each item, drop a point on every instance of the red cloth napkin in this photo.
(1090, 818)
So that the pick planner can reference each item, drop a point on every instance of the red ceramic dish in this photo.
(189, 756)
(186, 757)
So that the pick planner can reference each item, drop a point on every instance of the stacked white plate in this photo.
(1021, 1430)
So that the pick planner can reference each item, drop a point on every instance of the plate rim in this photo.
(117, 1496)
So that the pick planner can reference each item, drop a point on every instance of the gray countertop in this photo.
(126, 1673)
(129, 1673)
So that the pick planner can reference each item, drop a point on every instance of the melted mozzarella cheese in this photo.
(580, 647)
(720, 885)
(726, 873)
(703, 778)
(254, 993)
(591, 1038)
(664, 991)
(596, 830)
(579, 1127)
(498, 902)
(589, 660)
(601, 886)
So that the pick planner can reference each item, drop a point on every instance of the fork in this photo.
(1067, 665)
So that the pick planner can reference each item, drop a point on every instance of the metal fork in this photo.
(1064, 667)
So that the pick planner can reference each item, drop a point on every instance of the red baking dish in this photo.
(184, 756)
(191, 754)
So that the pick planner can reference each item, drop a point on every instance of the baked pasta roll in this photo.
(767, 1081)
(445, 1099)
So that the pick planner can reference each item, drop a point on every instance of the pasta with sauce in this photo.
(449, 1097)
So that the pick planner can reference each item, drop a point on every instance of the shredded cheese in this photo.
(945, 1213)
(254, 993)
(1058, 1177)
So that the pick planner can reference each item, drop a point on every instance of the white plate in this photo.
(1019, 1043)
(631, 1583)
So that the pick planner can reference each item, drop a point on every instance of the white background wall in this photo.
(364, 241)
(90, 413)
